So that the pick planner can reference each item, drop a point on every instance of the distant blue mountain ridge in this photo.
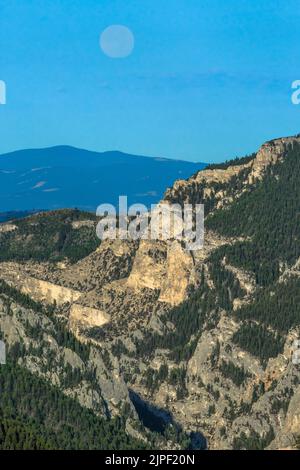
(68, 177)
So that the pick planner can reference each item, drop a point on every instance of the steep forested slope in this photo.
(51, 236)
(229, 347)
(269, 216)
(36, 415)
(218, 357)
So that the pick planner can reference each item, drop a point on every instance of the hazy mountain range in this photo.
(65, 176)
(142, 343)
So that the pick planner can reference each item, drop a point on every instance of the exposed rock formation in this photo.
(121, 294)
(87, 317)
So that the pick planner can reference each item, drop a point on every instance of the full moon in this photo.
(117, 41)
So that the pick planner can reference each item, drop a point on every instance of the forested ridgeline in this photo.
(268, 218)
(50, 236)
(233, 162)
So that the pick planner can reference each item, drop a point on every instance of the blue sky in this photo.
(207, 79)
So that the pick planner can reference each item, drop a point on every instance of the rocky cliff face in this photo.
(217, 188)
(95, 386)
(168, 318)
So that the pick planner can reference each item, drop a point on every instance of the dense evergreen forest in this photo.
(269, 217)
(36, 415)
(266, 219)
(50, 236)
